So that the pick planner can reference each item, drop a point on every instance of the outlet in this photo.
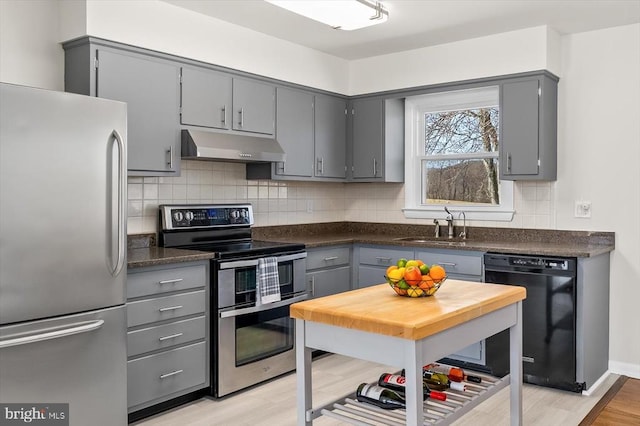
(583, 209)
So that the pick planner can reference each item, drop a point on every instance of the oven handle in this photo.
(254, 262)
(261, 308)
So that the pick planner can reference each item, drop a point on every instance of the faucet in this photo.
(449, 220)
(463, 234)
(435, 221)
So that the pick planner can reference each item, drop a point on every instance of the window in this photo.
(451, 156)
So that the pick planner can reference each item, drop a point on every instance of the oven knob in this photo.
(178, 216)
(188, 216)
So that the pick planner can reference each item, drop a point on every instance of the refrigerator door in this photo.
(63, 203)
(77, 359)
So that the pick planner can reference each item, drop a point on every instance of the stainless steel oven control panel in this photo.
(205, 216)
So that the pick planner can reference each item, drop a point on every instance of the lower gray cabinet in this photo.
(168, 332)
(373, 262)
(328, 270)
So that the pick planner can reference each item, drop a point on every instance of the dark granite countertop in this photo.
(502, 240)
(151, 256)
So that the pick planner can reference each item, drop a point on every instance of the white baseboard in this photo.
(625, 368)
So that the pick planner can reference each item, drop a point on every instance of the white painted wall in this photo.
(597, 161)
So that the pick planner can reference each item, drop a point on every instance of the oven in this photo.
(250, 342)
(254, 342)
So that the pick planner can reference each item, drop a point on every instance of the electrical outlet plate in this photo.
(583, 209)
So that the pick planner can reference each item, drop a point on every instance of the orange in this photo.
(412, 275)
(427, 282)
(437, 273)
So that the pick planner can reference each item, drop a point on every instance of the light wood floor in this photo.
(274, 403)
(624, 408)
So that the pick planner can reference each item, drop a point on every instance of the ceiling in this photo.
(419, 23)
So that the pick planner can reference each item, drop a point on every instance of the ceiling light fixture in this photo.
(340, 14)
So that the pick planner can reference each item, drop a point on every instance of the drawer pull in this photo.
(173, 373)
(171, 336)
(177, 280)
(447, 263)
(383, 259)
(170, 308)
(330, 258)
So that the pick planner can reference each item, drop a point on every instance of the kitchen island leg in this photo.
(515, 367)
(303, 375)
(413, 383)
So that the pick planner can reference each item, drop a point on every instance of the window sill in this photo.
(471, 213)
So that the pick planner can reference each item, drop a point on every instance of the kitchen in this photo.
(595, 67)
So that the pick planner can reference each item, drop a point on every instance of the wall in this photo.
(597, 161)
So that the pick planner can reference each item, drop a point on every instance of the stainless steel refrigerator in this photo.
(62, 256)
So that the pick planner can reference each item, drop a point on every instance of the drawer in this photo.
(454, 263)
(167, 335)
(382, 256)
(326, 258)
(164, 308)
(164, 280)
(165, 373)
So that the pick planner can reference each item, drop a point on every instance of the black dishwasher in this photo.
(548, 318)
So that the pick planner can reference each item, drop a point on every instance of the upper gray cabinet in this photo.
(219, 100)
(377, 140)
(294, 132)
(528, 128)
(330, 137)
(149, 86)
(205, 98)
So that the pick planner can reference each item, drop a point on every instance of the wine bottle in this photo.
(439, 380)
(454, 374)
(379, 396)
(397, 383)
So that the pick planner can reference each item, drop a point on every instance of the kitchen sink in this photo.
(432, 240)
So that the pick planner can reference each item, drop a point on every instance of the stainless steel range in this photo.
(251, 342)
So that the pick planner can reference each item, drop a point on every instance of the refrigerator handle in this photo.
(81, 327)
(122, 214)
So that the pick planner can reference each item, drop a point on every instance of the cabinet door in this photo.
(294, 132)
(330, 281)
(253, 106)
(519, 112)
(370, 275)
(206, 98)
(150, 89)
(330, 137)
(368, 132)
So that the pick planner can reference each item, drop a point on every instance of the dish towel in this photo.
(268, 281)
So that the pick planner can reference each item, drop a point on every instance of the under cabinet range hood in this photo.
(204, 145)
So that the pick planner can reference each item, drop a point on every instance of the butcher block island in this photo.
(375, 324)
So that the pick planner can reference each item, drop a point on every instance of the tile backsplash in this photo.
(280, 203)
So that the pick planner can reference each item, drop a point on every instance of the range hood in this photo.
(204, 145)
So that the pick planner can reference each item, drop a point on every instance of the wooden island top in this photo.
(379, 310)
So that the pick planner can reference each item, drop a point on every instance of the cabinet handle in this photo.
(241, 115)
(177, 280)
(224, 115)
(375, 167)
(320, 165)
(173, 373)
(447, 263)
(171, 336)
(330, 258)
(313, 286)
(509, 162)
(170, 308)
(170, 152)
(383, 259)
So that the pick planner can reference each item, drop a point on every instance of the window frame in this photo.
(415, 109)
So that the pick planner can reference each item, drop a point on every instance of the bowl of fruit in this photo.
(414, 278)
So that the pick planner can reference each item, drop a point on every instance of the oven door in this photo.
(254, 344)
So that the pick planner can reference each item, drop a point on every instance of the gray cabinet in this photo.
(294, 132)
(328, 270)
(528, 128)
(205, 98)
(168, 332)
(222, 101)
(149, 86)
(330, 134)
(377, 140)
